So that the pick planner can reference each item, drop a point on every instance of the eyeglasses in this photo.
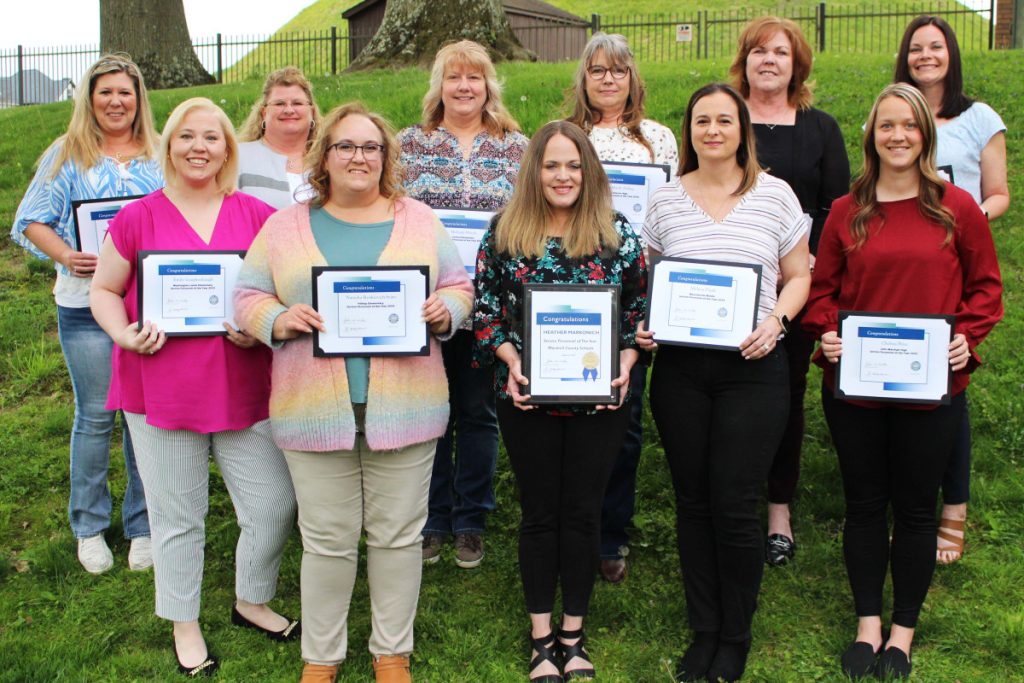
(618, 72)
(346, 150)
(284, 104)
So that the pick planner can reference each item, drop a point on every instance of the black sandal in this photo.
(546, 649)
(577, 649)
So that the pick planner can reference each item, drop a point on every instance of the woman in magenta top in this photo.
(184, 397)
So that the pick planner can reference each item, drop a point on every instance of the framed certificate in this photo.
(632, 186)
(371, 311)
(571, 343)
(188, 293)
(466, 227)
(894, 357)
(92, 218)
(691, 302)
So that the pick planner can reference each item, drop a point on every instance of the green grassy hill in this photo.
(59, 624)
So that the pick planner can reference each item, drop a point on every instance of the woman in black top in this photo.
(803, 146)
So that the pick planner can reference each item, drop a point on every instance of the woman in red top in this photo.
(902, 241)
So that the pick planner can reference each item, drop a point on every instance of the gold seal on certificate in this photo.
(188, 293)
(466, 227)
(371, 311)
(571, 343)
(894, 357)
(92, 218)
(692, 302)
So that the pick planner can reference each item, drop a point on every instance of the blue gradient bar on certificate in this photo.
(364, 286)
(886, 332)
(701, 278)
(189, 269)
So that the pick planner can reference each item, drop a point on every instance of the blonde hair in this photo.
(757, 33)
(522, 226)
(227, 176)
(253, 128)
(931, 187)
(616, 51)
(316, 159)
(82, 144)
(465, 53)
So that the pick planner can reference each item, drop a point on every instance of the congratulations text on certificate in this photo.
(466, 232)
(629, 195)
(701, 300)
(371, 309)
(570, 345)
(893, 355)
(193, 290)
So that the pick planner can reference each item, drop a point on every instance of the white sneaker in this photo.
(94, 554)
(140, 555)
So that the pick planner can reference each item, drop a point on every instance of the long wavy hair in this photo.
(227, 176)
(746, 154)
(522, 226)
(469, 55)
(316, 159)
(931, 187)
(954, 101)
(616, 50)
(82, 144)
(757, 33)
(253, 129)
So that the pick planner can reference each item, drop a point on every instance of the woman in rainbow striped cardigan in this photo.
(358, 433)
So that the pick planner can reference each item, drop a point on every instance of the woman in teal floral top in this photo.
(558, 228)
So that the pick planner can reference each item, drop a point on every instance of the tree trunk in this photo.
(413, 30)
(155, 34)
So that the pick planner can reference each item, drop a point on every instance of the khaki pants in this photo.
(340, 493)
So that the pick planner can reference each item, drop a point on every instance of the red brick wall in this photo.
(1004, 24)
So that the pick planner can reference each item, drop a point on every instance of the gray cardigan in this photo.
(262, 173)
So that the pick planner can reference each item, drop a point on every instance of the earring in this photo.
(312, 124)
(263, 126)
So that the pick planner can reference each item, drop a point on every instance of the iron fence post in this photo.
(821, 27)
(595, 23)
(992, 24)
(334, 50)
(21, 76)
(220, 60)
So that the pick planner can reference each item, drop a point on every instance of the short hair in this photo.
(252, 128)
(746, 155)
(83, 141)
(954, 101)
(757, 33)
(316, 159)
(227, 176)
(582, 113)
(931, 187)
(466, 53)
(522, 224)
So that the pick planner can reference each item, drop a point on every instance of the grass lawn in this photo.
(58, 623)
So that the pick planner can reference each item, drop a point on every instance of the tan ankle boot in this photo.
(319, 673)
(392, 669)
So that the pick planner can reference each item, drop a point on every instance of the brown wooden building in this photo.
(553, 34)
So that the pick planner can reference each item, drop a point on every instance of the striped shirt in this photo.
(762, 228)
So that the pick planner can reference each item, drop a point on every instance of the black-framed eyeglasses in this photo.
(597, 72)
(347, 150)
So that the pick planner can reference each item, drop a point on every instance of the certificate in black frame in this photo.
(613, 340)
(184, 253)
(79, 203)
(319, 352)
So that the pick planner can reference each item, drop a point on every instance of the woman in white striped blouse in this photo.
(720, 413)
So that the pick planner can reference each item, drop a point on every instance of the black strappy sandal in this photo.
(575, 650)
(547, 650)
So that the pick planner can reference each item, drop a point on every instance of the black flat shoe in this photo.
(779, 550)
(207, 668)
(290, 632)
(859, 660)
(894, 664)
(577, 649)
(729, 663)
(547, 651)
(697, 659)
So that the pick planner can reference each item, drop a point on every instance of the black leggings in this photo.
(562, 465)
(894, 456)
(720, 419)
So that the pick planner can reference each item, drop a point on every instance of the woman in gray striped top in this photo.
(720, 413)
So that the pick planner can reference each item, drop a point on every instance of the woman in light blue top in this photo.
(108, 151)
(971, 154)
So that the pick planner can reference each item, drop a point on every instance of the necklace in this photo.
(771, 126)
(713, 211)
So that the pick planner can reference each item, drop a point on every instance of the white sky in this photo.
(41, 23)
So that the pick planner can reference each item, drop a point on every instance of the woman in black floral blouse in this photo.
(558, 228)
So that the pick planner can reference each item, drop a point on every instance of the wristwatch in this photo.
(783, 320)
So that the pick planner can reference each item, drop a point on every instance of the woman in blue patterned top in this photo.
(558, 228)
(465, 154)
(108, 151)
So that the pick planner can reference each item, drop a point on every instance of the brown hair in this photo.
(746, 155)
(757, 33)
(954, 101)
(253, 128)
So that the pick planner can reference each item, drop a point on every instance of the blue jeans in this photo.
(461, 488)
(620, 496)
(87, 350)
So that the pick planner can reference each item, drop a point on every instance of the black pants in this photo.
(720, 418)
(894, 456)
(785, 471)
(562, 465)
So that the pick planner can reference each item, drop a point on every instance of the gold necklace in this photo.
(713, 215)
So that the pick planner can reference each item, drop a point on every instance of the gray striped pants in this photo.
(174, 466)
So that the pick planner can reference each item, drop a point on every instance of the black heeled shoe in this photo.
(547, 650)
(290, 632)
(577, 649)
(208, 667)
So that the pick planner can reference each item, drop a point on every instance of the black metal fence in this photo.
(36, 75)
